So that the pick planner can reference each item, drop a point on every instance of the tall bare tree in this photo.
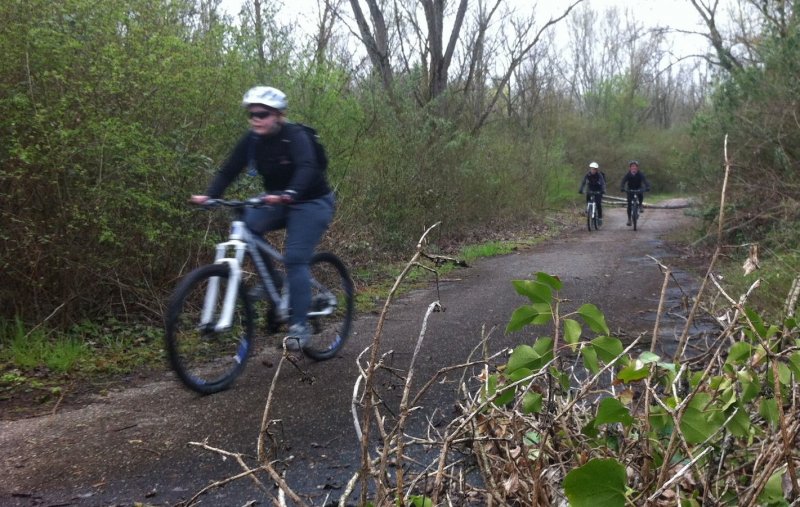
(440, 57)
(376, 40)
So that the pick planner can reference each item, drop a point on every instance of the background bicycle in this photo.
(634, 207)
(216, 309)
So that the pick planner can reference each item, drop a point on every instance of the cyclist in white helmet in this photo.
(596, 182)
(302, 201)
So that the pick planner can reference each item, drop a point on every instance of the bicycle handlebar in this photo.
(261, 201)
(635, 190)
(250, 202)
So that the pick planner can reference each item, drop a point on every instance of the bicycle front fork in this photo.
(234, 263)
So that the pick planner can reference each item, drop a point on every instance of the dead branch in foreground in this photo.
(716, 427)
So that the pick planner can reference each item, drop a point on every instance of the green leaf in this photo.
(594, 318)
(590, 429)
(660, 420)
(648, 357)
(532, 403)
(531, 438)
(420, 501)
(572, 332)
(669, 368)
(751, 387)
(505, 397)
(490, 387)
(545, 314)
(518, 374)
(729, 397)
(772, 494)
(544, 347)
(532, 358)
(695, 378)
(700, 420)
(784, 374)
(537, 313)
(739, 352)
(535, 291)
(598, 483)
(551, 281)
(611, 410)
(739, 425)
(590, 358)
(634, 371)
(794, 364)
(562, 377)
(769, 410)
(521, 317)
(607, 348)
(758, 324)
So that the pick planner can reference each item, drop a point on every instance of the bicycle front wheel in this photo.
(635, 215)
(205, 355)
(331, 312)
(589, 218)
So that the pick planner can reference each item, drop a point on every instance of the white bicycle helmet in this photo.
(594, 165)
(266, 96)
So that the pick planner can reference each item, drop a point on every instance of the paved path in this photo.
(131, 445)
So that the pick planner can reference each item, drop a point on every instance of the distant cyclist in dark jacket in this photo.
(596, 182)
(634, 179)
(302, 202)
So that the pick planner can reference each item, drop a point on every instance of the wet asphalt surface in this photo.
(132, 445)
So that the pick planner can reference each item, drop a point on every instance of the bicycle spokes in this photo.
(331, 309)
(208, 354)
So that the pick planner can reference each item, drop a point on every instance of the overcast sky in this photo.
(678, 14)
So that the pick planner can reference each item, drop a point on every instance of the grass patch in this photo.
(28, 350)
(42, 358)
(491, 249)
(777, 272)
(374, 283)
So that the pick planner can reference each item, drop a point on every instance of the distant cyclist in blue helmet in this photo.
(634, 179)
(297, 190)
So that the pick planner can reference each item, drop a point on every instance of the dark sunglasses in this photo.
(261, 115)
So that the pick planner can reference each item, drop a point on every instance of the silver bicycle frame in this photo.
(239, 240)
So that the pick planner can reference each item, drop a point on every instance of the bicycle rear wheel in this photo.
(207, 360)
(331, 312)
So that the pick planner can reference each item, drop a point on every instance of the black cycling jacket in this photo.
(634, 181)
(285, 160)
(596, 182)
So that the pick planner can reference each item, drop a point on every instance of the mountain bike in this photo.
(634, 207)
(212, 315)
(592, 219)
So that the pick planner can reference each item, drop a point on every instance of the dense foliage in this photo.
(113, 113)
(715, 426)
(756, 105)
